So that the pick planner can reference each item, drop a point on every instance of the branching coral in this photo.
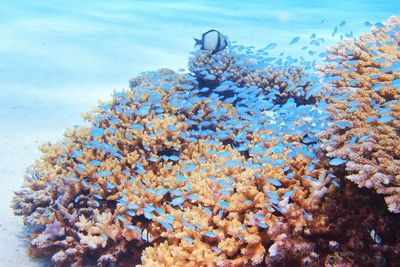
(218, 167)
(278, 81)
(161, 168)
(365, 105)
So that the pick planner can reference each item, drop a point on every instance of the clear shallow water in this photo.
(84, 45)
(57, 58)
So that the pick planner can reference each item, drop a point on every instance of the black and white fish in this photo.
(212, 40)
(146, 236)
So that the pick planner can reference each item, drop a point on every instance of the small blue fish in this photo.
(344, 124)
(161, 192)
(368, 24)
(96, 132)
(148, 214)
(131, 213)
(272, 195)
(248, 201)
(274, 181)
(220, 213)
(224, 183)
(262, 225)
(159, 211)
(104, 173)
(188, 239)
(153, 159)
(289, 193)
(363, 138)
(169, 218)
(210, 234)
(180, 178)
(377, 87)
(193, 197)
(353, 140)
(76, 153)
(294, 40)
(95, 187)
(189, 225)
(334, 31)
(190, 167)
(232, 163)
(370, 119)
(386, 119)
(223, 204)
(337, 161)
(384, 110)
(176, 192)
(216, 249)
(257, 150)
(224, 154)
(167, 226)
(290, 175)
(225, 192)
(208, 211)
(177, 201)
(271, 46)
(396, 83)
(140, 169)
(309, 178)
(308, 217)
(134, 227)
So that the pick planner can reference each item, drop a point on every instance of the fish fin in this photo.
(212, 30)
(197, 42)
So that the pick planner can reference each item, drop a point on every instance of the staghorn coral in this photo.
(364, 102)
(185, 170)
(161, 168)
(277, 81)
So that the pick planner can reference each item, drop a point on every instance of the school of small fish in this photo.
(225, 161)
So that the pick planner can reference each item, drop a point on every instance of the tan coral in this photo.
(365, 72)
(104, 180)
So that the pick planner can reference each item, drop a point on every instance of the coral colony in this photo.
(247, 160)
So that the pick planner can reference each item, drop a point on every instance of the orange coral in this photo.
(365, 105)
(147, 172)
(208, 170)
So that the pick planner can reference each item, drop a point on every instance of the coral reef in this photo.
(222, 166)
(279, 81)
(364, 101)
(163, 170)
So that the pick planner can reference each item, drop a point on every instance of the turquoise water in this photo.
(58, 57)
(90, 44)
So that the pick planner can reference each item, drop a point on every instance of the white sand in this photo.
(57, 59)
(25, 123)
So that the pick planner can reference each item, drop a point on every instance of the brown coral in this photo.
(175, 173)
(365, 105)
(280, 83)
(146, 175)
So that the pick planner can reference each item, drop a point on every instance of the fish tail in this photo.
(197, 41)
